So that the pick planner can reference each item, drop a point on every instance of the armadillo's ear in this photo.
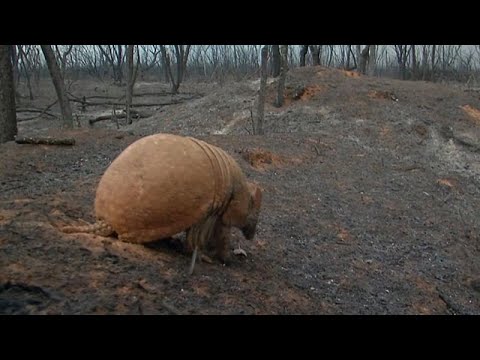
(255, 195)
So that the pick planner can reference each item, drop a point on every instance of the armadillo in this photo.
(164, 184)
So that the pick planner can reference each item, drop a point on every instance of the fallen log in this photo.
(44, 141)
(151, 93)
(122, 115)
(110, 103)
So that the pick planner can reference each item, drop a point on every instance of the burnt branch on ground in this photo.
(44, 141)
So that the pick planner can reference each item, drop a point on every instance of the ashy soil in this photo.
(371, 202)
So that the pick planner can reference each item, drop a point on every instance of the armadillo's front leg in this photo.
(197, 236)
(222, 241)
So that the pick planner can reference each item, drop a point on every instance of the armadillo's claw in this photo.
(240, 251)
(192, 263)
(205, 258)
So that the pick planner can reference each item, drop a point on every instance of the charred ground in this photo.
(371, 198)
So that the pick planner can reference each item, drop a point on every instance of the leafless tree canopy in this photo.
(177, 63)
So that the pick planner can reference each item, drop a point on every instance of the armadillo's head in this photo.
(255, 202)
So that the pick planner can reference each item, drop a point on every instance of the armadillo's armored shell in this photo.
(163, 184)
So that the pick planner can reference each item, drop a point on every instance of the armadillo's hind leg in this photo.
(104, 229)
(100, 228)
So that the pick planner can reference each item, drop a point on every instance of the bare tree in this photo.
(62, 56)
(27, 67)
(283, 75)
(165, 63)
(276, 61)
(424, 62)
(358, 53)
(372, 60)
(59, 85)
(258, 128)
(434, 48)
(181, 55)
(181, 52)
(303, 54)
(350, 55)
(16, 74)
(235, 57)
(414, 62)
(331, 55)
(89, 58)
(363, 56)
(114, 55)
(315, 51)
(402, 52)
(150, 56)
(8, 117)
(130, 82)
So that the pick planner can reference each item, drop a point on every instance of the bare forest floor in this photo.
(371, 202)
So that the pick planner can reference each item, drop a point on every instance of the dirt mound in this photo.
(307, 92)
(473, 113)
(262, 159)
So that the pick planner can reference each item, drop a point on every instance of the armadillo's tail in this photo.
(100, 228)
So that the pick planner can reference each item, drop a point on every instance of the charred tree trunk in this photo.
(59, 85)
(178, 80)
(137, 68)
(283, 75)
(258, 130)
(331, 53)
(358, 55)
(424, 62)
(118, 73)
(130, 81)
(403, 52)
(372, 60)
(181, 54)
(351, 55)
(165, 63)
(414, 63)
(315, 50)
(432, 76)
(8, 116)
(363, 60)
(276, 61)
(303, 54)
